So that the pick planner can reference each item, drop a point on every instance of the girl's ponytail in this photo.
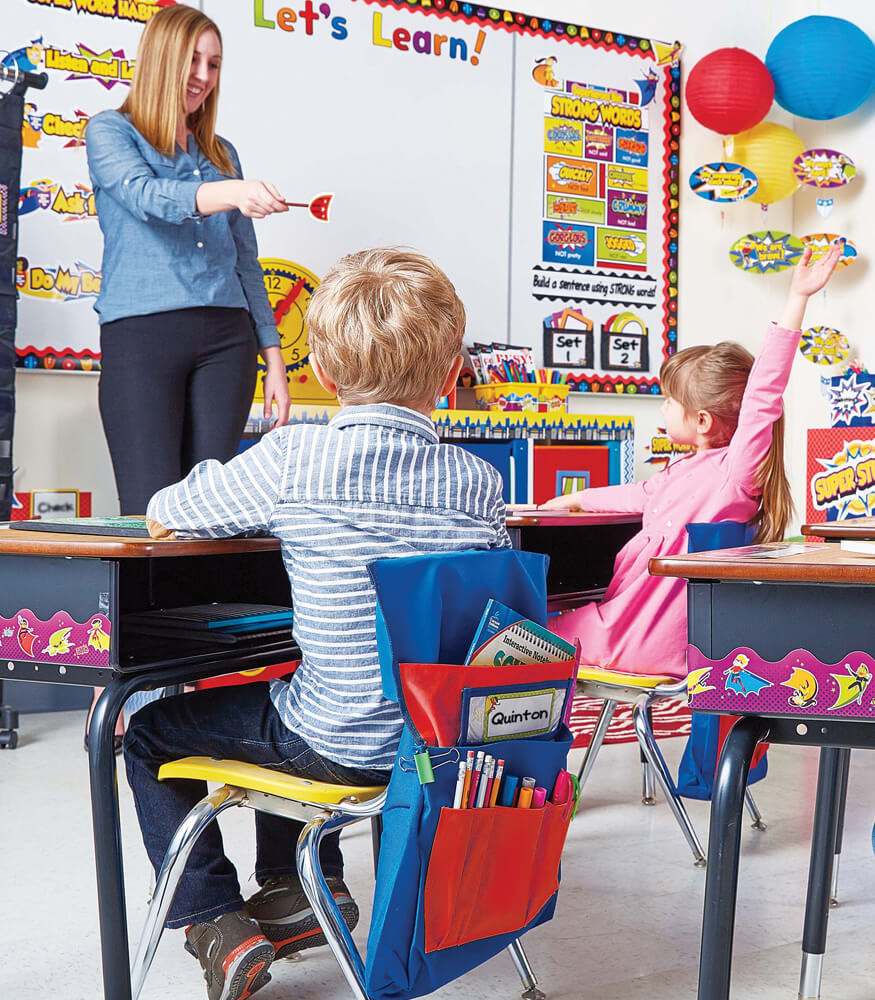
(776, 503)
(714, 379)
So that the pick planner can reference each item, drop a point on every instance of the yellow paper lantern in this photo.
(769, 151)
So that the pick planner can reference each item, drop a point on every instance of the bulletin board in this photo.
(87, 49)
(535, 161)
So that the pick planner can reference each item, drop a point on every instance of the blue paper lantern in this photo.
(823, 67)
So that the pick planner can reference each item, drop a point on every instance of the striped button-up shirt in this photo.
(374, 483)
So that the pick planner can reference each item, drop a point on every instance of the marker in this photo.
(508, 790)
(496, 781)
(563, 788)
(469, 766)
(539, 797)
(460, 784)
(475, 779)
(527, 787)
(486, 781)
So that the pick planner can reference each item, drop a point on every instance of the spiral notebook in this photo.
(505, 637)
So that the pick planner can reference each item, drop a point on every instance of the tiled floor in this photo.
(629, 913)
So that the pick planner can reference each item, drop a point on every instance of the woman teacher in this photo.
(182, 303)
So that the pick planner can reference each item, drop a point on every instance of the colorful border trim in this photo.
(743, 683)
(61, 639)
(525, 24)
(57, 359)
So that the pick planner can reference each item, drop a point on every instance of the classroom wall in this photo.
(58, 439)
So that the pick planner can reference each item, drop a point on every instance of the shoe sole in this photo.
(248, 973)
(308, 932)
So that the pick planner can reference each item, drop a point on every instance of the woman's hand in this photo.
(256, 199)
(568, 501)
(276, 386)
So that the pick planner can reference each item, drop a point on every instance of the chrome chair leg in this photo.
(648, 791)
(598, 736)
(654, 756)
(526, 974)
(172, 868)
(753, 811)
(327, 912)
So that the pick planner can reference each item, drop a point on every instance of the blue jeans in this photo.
(236, 723)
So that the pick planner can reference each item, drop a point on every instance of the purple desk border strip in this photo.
(799, 684)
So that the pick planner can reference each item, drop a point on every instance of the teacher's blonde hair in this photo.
(157, 96)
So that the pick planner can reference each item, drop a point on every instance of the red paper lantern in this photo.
(729, 91)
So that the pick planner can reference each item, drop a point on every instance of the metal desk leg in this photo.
(721, 883)
(823, 845)
(107, 840)
(840, 826)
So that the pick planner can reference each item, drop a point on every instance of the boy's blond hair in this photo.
(386, 326)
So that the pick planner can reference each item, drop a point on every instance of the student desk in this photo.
(852, 527)
(582, 548)
(86, 584)
(787, 642)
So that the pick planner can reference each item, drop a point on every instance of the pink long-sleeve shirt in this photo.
(641, 624)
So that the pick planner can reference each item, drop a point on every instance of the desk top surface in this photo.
(54, 543)
(777, 561)
(852, 527)
(523, 517)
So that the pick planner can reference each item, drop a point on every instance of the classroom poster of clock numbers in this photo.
(596, 277)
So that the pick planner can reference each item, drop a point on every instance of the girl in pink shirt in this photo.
(728, 407)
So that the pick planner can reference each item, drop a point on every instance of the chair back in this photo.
(429, 607)
(703, 536)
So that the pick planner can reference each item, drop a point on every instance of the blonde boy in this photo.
(385, 330)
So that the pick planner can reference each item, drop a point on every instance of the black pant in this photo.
(175, 389)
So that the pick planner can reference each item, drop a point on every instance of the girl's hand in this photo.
(568, 501)
(810, 278)
(276, 386)
(257, 199)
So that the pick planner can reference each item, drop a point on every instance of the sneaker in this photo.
(233, 953)
(286, 918)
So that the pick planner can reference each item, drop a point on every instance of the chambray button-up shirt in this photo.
(159, 252)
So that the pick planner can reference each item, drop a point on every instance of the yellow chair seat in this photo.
(265, 779)
(600, 675)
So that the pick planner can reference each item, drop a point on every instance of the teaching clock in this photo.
(289, 287)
